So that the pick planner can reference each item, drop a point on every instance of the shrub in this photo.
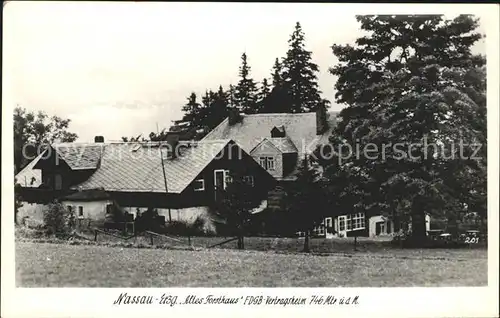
(184, 228)
(57, 219)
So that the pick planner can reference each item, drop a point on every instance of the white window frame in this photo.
(320, 230)
(354, 222)
(268, 163)
(342, 223)
(82, 215)
(225, 176)
(263, 162)
(202, 187)
(329, 222)
(270, 166)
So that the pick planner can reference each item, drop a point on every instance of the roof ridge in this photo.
(278, 114)
(215, 128)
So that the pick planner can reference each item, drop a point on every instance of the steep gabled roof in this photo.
(283, 145)
(29, 177)
(78, 156)
(252, 129)
(127, 168)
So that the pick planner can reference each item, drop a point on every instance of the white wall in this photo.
(372, 227)
(32, 210)
(94, 210)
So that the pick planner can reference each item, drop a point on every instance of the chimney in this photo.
(321, 120)
(99, 139)
(173, 143)
(234, 116)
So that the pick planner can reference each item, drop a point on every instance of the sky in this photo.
(119, 69)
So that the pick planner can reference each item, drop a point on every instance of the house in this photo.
(88, 204)
(358, 224)
(132, 176)
(278, 142)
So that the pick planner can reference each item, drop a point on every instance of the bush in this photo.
(22, 232)
(183, 228)
(58, 220)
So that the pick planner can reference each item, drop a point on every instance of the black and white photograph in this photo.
(268, 145)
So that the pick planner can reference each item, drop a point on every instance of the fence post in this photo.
(95, 236)
(355, 242)
(151, 235)
(189, 240)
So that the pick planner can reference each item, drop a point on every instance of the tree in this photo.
(231, 96)
(299, 75)
(265, 90)
(306, 203)
(278, 100)
(217, 110)
(193, 112)
(277, 73)
(34, 132)
(413, 90)
(57, 219)
(233, 207)
(133, 139)
(246, 90)
(18, 202)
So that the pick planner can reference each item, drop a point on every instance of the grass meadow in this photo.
(266, 262)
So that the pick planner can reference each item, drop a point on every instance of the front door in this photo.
(342, 226)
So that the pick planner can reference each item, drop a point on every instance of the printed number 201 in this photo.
(471, 240)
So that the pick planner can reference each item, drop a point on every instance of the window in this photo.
(262, 161)
(328, 222)
(199, 185)
(227, 177)
(270, 163)
(342, 224)
(267, 163)
(358, 221)
(319, 230)
(353, 222)
(249, 180)
(80, 211)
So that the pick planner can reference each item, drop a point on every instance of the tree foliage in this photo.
(306, 200)
(414, 90)
(58, 220)
(246, 89)
(233, 207)
(33, 132)
(299, 75)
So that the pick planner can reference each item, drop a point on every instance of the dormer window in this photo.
(278, 132)
(267, 163)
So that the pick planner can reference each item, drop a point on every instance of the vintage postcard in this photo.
(242, 159)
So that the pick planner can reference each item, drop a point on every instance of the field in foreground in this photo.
(60, 265)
